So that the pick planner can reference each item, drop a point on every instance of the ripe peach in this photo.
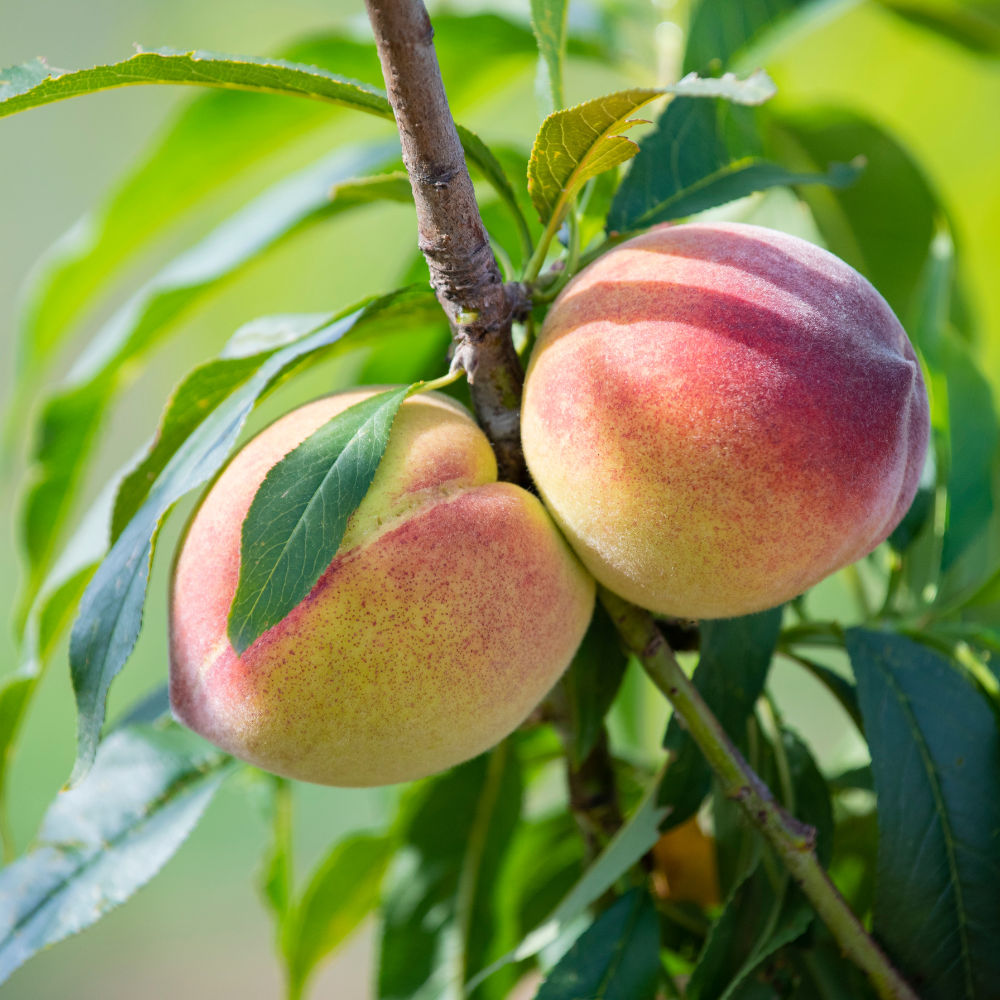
(452, 606)
(720, 415)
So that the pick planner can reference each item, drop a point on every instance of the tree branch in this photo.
(453, 239)
(793, 841)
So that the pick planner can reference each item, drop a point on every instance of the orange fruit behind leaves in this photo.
(685, 867)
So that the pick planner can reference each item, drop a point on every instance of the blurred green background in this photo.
(197, 930)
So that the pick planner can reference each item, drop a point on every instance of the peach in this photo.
(719, 416)
(451, 608)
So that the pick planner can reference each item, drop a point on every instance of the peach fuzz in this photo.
(452, 607)
(720, 415)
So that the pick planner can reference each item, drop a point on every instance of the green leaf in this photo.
(343, 890)
(222, 132)
(35, 83)
(732, 668)
(580, 142)
(618, 958)
(720, 28)
(976, 25)
(111, 609)
(841, 688)
(936, 764)
(687, 165)
(213, 138)
(883, 224)
(548, 20)
(633, 840)
(108, 837)
(438, 909)
(300, 511)
(72, 417)
(592, 682)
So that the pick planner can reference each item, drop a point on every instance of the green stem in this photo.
(791, 840)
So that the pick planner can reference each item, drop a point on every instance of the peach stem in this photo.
(792, 840)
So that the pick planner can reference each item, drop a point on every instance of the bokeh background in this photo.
(197, 931)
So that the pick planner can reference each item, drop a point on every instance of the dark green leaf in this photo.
(72, 417)
(341, 893)
(936, 764)
(618, 958)
(625, 848)
(438, 917)
(756, 922)
(687, 165)
(972, 23)
(108, 837)
(111, 608)
(883, 224)
(300, 512)
(812, 797)
(35, 83)
(720, 28)
(592, 682)
(548, 19)
(735, 657)
(974, 434)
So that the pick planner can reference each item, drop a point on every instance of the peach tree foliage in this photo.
(471, 893)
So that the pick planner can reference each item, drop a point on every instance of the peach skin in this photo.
(451, 608)
(720, 415)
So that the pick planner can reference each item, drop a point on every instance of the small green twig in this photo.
(792, 841)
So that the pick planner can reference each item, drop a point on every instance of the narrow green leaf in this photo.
(732, 669)
(438, 907)
(107, 838)
(936, 764)
(111, 609)
(974, 438)
(276, 881)
(841, 688)
(634, 839)
(592, 682)
(687, 165)
(343, 890)
(856, 777)
(479, 154)
(618, 958)
(72, 417)
(720, 28)
(300, 512)
(34, 84)
(548, 21)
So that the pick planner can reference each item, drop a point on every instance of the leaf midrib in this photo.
(949, 837)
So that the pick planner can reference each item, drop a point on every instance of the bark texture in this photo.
(464, 274)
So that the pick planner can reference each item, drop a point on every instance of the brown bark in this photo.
(464, 274)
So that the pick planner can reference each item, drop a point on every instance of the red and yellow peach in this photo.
(719, 416)
(452, 606)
